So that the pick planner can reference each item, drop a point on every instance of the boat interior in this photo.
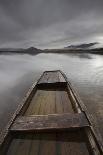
(51, 122)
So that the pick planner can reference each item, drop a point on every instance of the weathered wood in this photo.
(72, 144)
(51, 77)
(49, 102)
(52, 94)
(61, 77)
(62, 143)
(50, 122)
(4, 134)
(92, 142)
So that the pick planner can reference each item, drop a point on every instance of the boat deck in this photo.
(51, 77)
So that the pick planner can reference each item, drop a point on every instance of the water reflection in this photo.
(17, 73)
(97, 62)
(80, 55)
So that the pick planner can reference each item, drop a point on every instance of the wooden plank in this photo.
(43, 78)
(42, 103)
(47, 144)
(63, 103)
(58, 104)
(61, 78)
(4, 134)
(50, 102)
(76, 146)
(25, 144)
(50, 122)
(67, 105)
(93, 144)
(52, 77)
(32, 108)
(53, 143)
(49, 108)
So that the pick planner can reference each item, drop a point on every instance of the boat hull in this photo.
(51, 120)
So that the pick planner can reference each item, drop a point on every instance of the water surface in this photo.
(18, 72)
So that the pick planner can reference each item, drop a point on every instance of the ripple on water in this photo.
(97, 76)
(84, 71)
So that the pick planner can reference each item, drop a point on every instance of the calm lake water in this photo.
(18, 72)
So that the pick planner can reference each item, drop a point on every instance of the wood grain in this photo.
(49, 144)
(49, 102)
(52, 77)
(50, 122)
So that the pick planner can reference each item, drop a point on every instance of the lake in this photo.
(18, 72)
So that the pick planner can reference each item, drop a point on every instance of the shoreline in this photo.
(58, 51)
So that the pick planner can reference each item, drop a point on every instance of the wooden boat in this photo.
(51, 120)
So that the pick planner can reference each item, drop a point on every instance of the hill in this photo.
(83, 46)
(31, 50)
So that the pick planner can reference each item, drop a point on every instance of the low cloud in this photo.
(50, 24)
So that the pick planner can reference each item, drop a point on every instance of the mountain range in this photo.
(83, 46)
(31, 50)
(93, 47)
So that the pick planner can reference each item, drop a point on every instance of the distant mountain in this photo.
(82, 46)
(95, 48)
(31, 50)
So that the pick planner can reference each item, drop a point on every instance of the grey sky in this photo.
(50, 23)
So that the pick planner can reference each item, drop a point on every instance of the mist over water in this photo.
(18, 72)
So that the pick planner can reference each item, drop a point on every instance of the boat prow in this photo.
(51, 120)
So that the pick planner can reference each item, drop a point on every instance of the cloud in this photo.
(46, 23)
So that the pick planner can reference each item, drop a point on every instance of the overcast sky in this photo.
(50, 23)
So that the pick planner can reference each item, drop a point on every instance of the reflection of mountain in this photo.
(31, 50)
(82, 46)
